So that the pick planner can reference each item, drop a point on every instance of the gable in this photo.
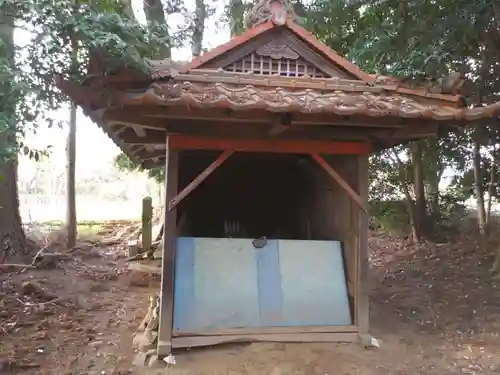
(277, 52)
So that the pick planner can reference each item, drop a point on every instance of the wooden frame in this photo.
(358, 332)
(362, 292)
(183, 142)
(269, 330)
(193, 341)
(168, 257)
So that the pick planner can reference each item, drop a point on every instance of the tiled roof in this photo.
(372, 101)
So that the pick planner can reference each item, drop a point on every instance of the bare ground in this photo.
(435, 309)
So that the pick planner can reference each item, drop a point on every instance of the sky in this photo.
(95, 151)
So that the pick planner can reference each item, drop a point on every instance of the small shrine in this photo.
(265, 142)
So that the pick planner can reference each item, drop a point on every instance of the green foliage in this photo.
(54, 30)
(124, 164)
(414, 40)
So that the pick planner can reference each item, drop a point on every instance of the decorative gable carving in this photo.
(277, 50)
(282, 55)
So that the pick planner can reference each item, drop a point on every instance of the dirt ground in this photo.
(434, 308)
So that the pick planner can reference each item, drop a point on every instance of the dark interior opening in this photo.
(249, 196)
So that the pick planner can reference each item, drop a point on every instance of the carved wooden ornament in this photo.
(277, 50)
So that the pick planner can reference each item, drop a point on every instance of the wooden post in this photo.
(147, 224)
(362, 289)
(168, 256)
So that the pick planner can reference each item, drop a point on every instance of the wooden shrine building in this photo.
(265, 141)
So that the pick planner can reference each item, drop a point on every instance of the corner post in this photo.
(362, 291)
(168, 255)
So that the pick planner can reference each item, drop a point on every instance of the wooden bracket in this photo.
(198, 180)
(337, 177)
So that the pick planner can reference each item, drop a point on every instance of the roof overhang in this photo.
(228, 106)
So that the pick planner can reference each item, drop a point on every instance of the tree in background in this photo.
(27, 78)
(157, 14)
(416, 40)
(11, 233)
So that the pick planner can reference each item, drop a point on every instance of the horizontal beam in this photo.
(134, 113)
(181, 142)
(194, 341)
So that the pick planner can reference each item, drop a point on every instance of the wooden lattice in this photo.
(265, 65)
(275, 58)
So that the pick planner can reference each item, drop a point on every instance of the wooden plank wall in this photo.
(335, 215)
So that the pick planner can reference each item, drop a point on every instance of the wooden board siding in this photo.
(226, 284)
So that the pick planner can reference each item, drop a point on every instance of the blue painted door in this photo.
(227, 283)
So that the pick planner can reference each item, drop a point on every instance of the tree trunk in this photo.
(198, 28)
(127, 7)
(491, 185)
(410, 204)
(433, 179)
(236, 15)
(71, 226)
(155, 16)
(418, 180)
(13, 243)
(478, 189)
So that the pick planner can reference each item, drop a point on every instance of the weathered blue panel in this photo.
(269, 284)
(313, 283)
(227, 283)
(184, 304)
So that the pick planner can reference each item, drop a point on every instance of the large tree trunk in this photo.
(13, 242)
(127, 6)
(200, 14)
(155, 15)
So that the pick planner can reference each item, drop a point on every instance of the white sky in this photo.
(95, 151)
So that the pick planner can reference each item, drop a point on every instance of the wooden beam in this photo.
(212, 127)
(193, 341)
(362, 291)
(267, 330)
(158, 115)
(198, 180)
(168, 256)
(181, 142)
(340, 180)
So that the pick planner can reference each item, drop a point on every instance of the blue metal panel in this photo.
(269, 284)
(313, 283)
(227, 283)
(184, 303)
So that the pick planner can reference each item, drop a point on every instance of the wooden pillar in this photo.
(362, 290)
(147, 224)
(168, 255)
